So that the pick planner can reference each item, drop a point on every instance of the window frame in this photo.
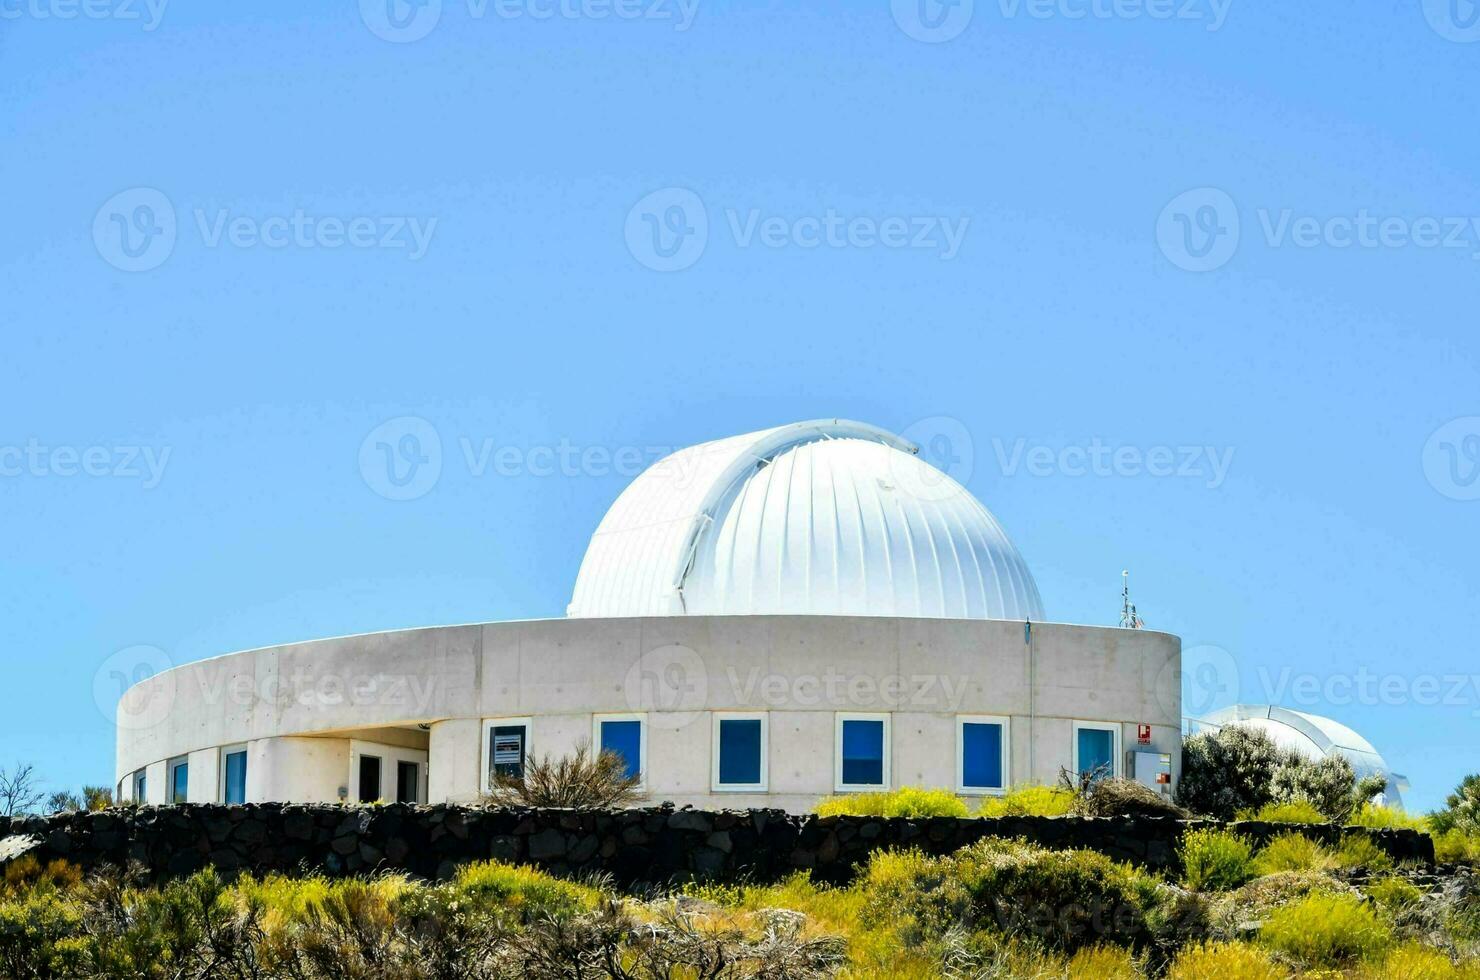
(138, 782)
(221, 755)
(170, 767)
(1005, 723)
(1116, 764)
(886, 770)
(486, 754)
(642, 739)
(764, 717)
(416, 780)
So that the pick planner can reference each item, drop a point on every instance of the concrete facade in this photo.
(307, 711)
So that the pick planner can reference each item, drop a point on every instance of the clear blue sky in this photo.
(1067, 315)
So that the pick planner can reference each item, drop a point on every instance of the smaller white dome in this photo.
(1314, 737)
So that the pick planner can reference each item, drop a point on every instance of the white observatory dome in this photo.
(1314, 737)
(816, 518)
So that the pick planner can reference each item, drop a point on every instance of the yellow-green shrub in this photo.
(1215, 860)
(1029, 800)
(1358, 851)
(908, 801)
(1067, 900)
(1297, 811)
(1457, 847)
(1386, 818)
(1394, 893)
(1104, 963)
(1292, 852)
(1225, 961)
(525, 891)
(41, 936)
(1326, 930)
(1412, 961)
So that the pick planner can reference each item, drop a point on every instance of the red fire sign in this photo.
(1143, 734)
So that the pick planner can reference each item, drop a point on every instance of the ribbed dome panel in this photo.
(819, 518)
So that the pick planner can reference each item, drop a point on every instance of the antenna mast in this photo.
(1128, 617)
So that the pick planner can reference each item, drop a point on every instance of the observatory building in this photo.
(762, 620)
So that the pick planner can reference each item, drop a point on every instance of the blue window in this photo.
(234, 778)
(862, 752)
(179, 782)
(981, 755)
(141, 787)
(1094, 748)
(625, 739)
(740, 752)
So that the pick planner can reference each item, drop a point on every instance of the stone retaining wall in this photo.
(639, 845)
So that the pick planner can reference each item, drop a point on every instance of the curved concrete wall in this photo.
(433, 689)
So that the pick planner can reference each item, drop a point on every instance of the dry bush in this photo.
(576, 780)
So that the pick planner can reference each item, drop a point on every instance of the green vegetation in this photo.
(1292, 811)
(1030, 800)
(999, 909)
(909, 801)
(1215, 860)
(1240, 770)
(1326, 930)
(1293, 852)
